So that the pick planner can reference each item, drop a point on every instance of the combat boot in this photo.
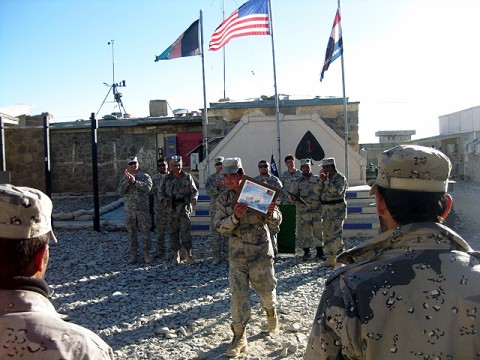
(320, 253)
(189, 258)
(146, 257)
(306, 254)
(239, 342)
(272, 321)
(330, 262)
(133, 258)
(176, 257)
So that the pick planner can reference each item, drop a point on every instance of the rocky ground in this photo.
(161, 311)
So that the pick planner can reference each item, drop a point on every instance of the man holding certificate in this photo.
(250, 253)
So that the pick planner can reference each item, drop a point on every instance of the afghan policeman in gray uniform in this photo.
(412, 292)
(331, 188)
(31, 329)
(179, 194)
(214, 186)
(135, 186)
(287, 177)
(160, 212)
(251, 255)
(309, 217)
(267, 178)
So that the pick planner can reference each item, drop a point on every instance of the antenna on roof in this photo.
(117, 96)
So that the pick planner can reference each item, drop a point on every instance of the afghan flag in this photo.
(186, 45)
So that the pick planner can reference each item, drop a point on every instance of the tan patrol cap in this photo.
(132, 159)
(413, 168)
(231, 165)
(328, 161)
(176, 160)
(24, 213)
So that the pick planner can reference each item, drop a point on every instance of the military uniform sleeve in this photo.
(275, 219)
(224, 220)
(318, 187)
(144, 183)
(123, 186)
(335, 331)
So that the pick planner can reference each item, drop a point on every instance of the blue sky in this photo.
(406, 61)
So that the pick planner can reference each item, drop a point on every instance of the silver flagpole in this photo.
(277, 107)
(205, 114)
(345, 112)
(223, 49)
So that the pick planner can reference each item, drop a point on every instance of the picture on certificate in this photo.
(257, 195)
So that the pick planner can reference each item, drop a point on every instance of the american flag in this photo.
(252, 18)
(335, 44)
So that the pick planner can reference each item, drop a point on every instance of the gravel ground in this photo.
(161, 311)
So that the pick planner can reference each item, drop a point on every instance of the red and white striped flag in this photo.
(252, 18)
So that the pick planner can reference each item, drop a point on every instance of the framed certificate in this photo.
(257, 195)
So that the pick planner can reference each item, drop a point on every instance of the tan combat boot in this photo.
(239, 342)
(272, 321)
(176, 257)
(189, 258)
(330, 262)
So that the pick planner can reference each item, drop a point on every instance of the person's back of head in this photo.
(413, 181)
(25, 228)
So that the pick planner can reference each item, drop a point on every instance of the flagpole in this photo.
(205, 113)
(277, 107)
(345, 112)
(224, 73)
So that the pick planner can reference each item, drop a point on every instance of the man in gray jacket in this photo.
(412, 292)
(31, 329)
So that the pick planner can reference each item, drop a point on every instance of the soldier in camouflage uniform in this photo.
(214, 186)
(159, 209)
(31, 329)
(412, 292)
(179, 194)
(331, 188)
(287, 177)
(251, 255)
(309, 219)
(272, 180)
(135, 186)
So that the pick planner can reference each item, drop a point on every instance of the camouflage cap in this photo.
(176, 160)
(132, 159)
(231, 165)
(413, 168)
(305, 162)
(218, 160)
(24, 212)
(328, 161)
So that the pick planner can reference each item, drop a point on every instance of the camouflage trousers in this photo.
(179, 227)
(261, 275)
(219, 243)
(138, 221)
(332, 235)
(309, 229)
(161, 225)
